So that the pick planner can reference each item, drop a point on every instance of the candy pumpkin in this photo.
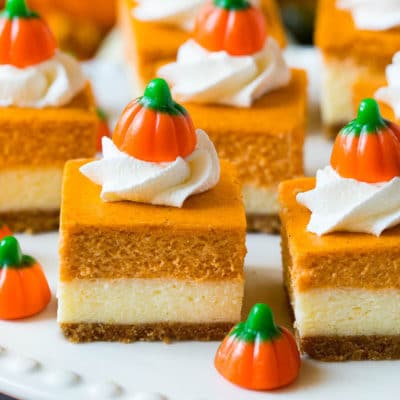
(368, 148)
(4, 230)
(257, 354)
(235, 26)
(23, 287)
(103, 129)
(25, 38)
(155, 128)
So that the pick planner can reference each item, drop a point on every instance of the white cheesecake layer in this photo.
(338, 77)
(30, 188)
(347, 312)
(139, 301)
(259, 200)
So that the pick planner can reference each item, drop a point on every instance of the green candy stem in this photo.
(260, 325)
(232, 4)
(18, 9)
(368, 113)
(11, 254)
(261, 321)
(157, 96)
(369, 119)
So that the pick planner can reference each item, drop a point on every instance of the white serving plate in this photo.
(37, 363)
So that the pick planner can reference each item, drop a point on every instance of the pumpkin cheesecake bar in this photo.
(238, 87)
(43, 93)
(353, 44)
(263, 143)
(341, 260)
(31, 167)
(152, 42)
(139, 261)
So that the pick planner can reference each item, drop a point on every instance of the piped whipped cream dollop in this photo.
(344, 204)
(51, 83)
(124, 177)
(201, 76)
(374, 15)
(390, 94)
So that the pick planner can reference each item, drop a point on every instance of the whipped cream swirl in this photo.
(126, 178)
(343, 204)
(201, 76)
(51, 83)
(390, 94)
(374, 15)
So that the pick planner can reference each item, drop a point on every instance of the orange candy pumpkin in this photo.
(234, 26)
(257, 354)
(154, 128)
(23, 287)
(368, 148)
(25, 38)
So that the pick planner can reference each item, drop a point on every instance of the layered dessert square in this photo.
(343, 288)
(237, 86)
(47, 116)
(340, 245)
(153, 40)
(263, 143)
(31, 166)
(140, 272)
(356, 39)
(153, 248)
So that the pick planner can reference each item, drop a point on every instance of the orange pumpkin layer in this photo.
(206, 237)
(340, 259)
(264, 143)
(336, 34)
(149, 44)
(56, 134)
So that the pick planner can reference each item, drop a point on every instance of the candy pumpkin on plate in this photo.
(25, 38)
(368, 148)
(23, 286)
(257, 354)
(235, 26)
(154, 127)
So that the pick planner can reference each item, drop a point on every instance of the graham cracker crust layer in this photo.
(98, 332)
(31, 221)
(263, 223)
(344, 348)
